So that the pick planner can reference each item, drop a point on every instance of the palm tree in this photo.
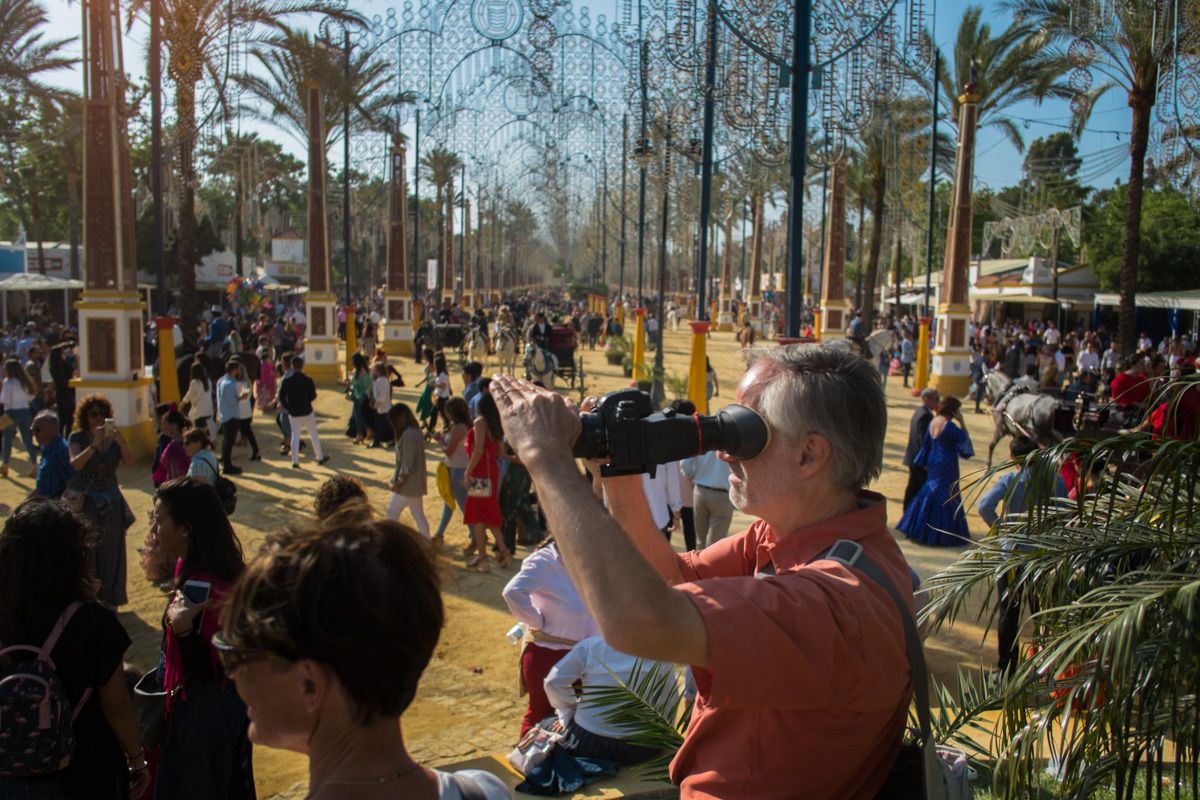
(25, 54)
(197, 33)
(895, 128)
(1113, 671)
(1014, 66)
(291, 59)
(441, 165)
(1130, 53)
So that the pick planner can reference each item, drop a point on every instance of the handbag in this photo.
(534, 748)
(479, 487)
(150, 703)
(444, 486)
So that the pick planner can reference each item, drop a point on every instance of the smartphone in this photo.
(197, 591)
(110, 426)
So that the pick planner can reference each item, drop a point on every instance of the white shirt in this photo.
(381, 390)
(13, 395)
(200, 399)
(1052, 336)
(493, 788)
(1088, 360)
(441, 386)
(542, 597)
(245, 407)
(662, 493)
(594, 663)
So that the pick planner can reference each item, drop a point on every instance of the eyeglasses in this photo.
(95, 412)
(232, 657)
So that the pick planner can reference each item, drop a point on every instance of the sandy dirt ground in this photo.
(467, 705)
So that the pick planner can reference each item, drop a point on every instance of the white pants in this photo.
(399, 502)
(308, 423)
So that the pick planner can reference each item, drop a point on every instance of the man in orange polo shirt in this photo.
(800, 665)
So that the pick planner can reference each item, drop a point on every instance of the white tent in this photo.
(35, 282)
(1187, 300)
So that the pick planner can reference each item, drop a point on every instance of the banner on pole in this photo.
(431, 274)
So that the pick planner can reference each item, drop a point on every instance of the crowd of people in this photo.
(266, 648)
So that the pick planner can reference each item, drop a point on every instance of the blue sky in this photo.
(998, 163)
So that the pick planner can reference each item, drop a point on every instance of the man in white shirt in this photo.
(1089, 359)
(663, 497)
(1051, 336)
(587, 733)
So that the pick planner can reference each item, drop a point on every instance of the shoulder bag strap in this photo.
(850, 553)
(55, 634)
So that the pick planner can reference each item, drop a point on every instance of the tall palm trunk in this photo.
(898, 261)
(185, 237)
(439, 284)
(35, 218)
(756, 243)
(72, 170)
(1142, 102)
(879, 186)
(727, 258)
(858, 280)
(448, 244)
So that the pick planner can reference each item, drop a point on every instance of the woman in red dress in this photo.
(482, 512)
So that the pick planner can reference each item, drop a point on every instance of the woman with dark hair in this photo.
(359, 390)
(425, 401)
(482, 509)
(935, 516)
(96, 448)
(409, 481)
(174, 461)
(326, 634)
(441, 390)
(16, 396)
(46, 585)
(206, 753)
(203, 461)
(453, 444)
(199, 399)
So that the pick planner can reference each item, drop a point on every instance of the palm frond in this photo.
(1113, 671)
(650, 707)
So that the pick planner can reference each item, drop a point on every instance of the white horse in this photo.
(504, 344)
(477, 346)
(540, 365)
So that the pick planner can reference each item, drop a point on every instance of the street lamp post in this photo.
(801, 41)
(643, 154)
(624, 189)
(706, 160)
(657, 394)
(345, 163)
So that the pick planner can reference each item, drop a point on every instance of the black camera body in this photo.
(624, 431)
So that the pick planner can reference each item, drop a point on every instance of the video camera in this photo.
(624, 430)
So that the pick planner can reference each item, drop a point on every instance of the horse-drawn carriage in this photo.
(556, 360)
(1043, 417)
(445, 337)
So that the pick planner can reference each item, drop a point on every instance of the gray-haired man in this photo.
(779, 637)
